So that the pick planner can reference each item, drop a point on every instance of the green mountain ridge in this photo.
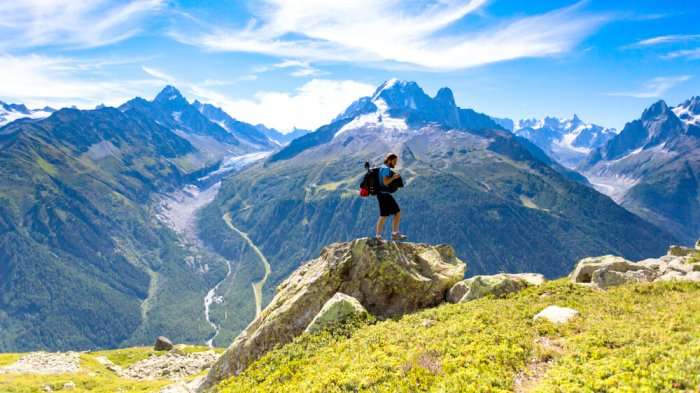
(84, 263)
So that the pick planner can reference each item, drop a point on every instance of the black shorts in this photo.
(387, 204)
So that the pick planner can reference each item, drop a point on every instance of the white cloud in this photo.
(85, 23)
(654, 88)
(692, 54)
(313, 104)
(58, 81)
(301, 68)
(393, 31)
(667, 39)
(158, 74)
(310, 106)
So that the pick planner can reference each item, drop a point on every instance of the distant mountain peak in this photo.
(655, 110)
(566, 140)
(401, 95)
(689, 111)
(169, 93)
(445, 95)
(401, 105)
(388, 85)
(11, 112)
(396, 108)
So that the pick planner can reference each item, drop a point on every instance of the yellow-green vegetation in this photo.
(46, 166)
(8, 358)
(93, 376)
(637, 338)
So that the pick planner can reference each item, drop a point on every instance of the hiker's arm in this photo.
(388, 179)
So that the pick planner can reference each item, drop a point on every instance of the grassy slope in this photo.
(640, 338)
(93, 377)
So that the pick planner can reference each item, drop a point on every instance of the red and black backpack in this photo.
(370, 182)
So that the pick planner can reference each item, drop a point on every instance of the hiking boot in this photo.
(398, 236)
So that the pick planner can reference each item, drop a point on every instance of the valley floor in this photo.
(632, 338)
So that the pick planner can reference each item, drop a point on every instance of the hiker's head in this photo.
(391, 160)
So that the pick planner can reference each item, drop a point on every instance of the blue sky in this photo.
(299, 63)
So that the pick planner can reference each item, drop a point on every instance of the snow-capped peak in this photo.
(386, 86)
(689, 111)
(12, 112)
(379, 118)
(391, 104)
(566, 140)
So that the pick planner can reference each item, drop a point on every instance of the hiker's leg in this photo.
(380, 226)
(395, 222)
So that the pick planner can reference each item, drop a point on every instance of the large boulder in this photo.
(387, 278)
(605, 277)
(497, 285)
(337, 310)
(613, 270)
(163, 344)
(583, 273)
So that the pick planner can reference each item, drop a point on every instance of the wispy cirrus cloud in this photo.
(655, 87)
(691, 54)
(82, 24)
(391, 31)
(300, 68)
(666, 39)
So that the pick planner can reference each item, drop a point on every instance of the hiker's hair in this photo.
(390, 157)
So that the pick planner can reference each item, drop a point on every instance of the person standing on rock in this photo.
(388, 183)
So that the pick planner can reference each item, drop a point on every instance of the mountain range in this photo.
(568, 141)
(84, 260)
(87, 261)
(651, 167)
(503, 203)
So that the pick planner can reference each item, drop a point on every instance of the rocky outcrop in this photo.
(387, 278)
(497, 285)
(680, 263)
(556, 314)
(45, 363)
(583, 273)
(337, 310)
(173, 365)
(606, 277)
